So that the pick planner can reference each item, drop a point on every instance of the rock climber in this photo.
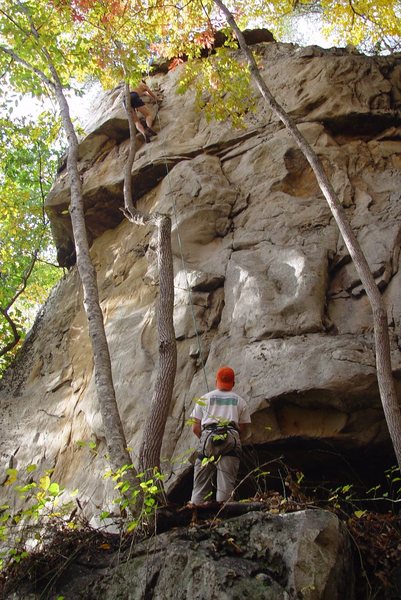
(137, 104)
(219, 419)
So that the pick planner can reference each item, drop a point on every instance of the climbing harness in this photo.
(220, 440)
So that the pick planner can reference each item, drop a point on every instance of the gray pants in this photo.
(224, 468)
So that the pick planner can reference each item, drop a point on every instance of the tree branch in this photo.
(4, 311)
(25, 278)
(25, 64)
(42, 191)
(14, 329)
(17, 25)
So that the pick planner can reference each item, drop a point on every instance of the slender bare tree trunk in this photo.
(391, 406)
(128, 203)
(149, 452)
(152, 437)
(114, 432)
(113, 429)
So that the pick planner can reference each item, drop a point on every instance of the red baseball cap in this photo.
(225, 378)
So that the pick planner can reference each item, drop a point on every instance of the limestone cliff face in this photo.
(273, 291)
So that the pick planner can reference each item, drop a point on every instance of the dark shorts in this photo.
(136, 102)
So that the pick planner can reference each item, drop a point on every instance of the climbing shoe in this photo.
(150, 131)
(146, 138)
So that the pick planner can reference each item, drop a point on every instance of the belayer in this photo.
(219, 419)
(137, 104)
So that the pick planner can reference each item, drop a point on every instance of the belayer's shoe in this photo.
(150, 131)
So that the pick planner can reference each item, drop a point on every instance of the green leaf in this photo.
(53, 489)
(12, 472)
(125, 487)
(132, 525)
(25, 488)
(44, 482)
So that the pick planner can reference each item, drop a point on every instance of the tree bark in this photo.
(152, 437)
(149, 452)
(388, 395)
(113, 429)
(114, 433)
(128, 203)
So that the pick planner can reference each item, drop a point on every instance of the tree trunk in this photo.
(152, 437)
(391, 406)
(149, 452)
(113, 429)
(128, 203)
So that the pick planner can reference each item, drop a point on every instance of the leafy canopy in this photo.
(373, 25)
(27, 164)
(128, 35)
(33, 31)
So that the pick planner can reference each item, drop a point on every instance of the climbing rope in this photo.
(180, 246)
(184, 267)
